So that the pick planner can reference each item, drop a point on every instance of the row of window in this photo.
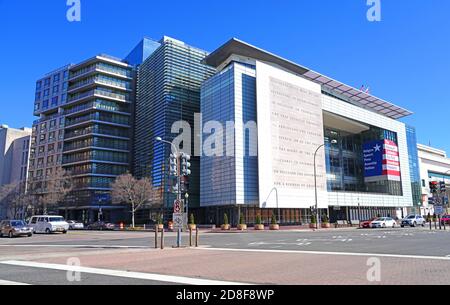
(56, 79)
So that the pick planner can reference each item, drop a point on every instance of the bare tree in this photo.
(132, 191)
(57, 186)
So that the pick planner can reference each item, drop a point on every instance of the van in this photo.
(48, 224)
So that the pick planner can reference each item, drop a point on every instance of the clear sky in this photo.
(405, 58)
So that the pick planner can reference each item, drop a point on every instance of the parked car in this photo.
(445, 219)
(101, 225)
(384, 222)
(15, 228)
(48, 224)
(74, 225)
(413, 221)
(368, 223)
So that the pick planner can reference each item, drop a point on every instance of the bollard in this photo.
(440, 224)
(190, 237)
(430, 226)
(435, 225)
(156, 236)
(162, 239)
(197, 237)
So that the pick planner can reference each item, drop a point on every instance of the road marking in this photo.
(78, 246)
(123, 274)
(9, 283)
(442, 258)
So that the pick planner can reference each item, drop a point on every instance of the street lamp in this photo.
(278, 208)
(186, 196)
(315, 181)
(175, 149)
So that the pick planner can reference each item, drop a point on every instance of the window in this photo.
(38, 96)
(65, 86)
(423, 183)
(52, 123)
(66, 75)
(38, 85)
(55, 89)
(63, 98)
(47, 82)
(55, 101)
(45, 104)
(37, 106)
(46, 93)
(56, 78)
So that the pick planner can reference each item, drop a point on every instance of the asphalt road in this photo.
(419, 249)
(399, 241)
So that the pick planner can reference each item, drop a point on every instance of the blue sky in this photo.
(404, 58)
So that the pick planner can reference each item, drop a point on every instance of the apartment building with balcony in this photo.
(48, 130)
(97, 133)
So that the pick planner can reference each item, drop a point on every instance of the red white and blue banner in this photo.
(381, 161)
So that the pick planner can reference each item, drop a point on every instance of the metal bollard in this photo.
(197, 238)
(430, 226)
(190, 237)
(156, 236)
(440, 224)
(162, 239)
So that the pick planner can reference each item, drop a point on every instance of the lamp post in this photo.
(159, 139)
(186, 196)
(315, 181)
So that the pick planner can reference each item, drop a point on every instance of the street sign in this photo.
(178, 206)
(178, 220)
(439, 209)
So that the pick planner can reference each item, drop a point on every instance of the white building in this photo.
(434, 167)
(365, 173)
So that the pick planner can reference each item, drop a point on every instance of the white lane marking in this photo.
(77, 246)
(9, 283)
(442, 258)
(123, 274)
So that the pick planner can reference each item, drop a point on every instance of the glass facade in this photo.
(168, 90)
(345, 162)
(411, 138)
(230, 179)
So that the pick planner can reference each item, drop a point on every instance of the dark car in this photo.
(101, 225)
(14, 228)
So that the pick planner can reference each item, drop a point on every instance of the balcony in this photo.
(95, 106)
(116, 120)
(98, 93)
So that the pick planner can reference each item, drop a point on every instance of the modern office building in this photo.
(168, 91)
(14, 154)
(434, 167)
(362, 170)
(14, 158)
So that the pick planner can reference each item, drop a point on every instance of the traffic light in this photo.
(434, 187)
(442, 187)
(173, 165)
(185, 165)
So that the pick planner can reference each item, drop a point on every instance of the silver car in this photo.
(413, 221)
(15, 228)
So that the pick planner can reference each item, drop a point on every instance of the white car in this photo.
(48, 224)
(384, 222)
(73, 225)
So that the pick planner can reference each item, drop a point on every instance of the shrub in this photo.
(325, 219)
(274, 219)
(241, 219)
(225, 219)
(313, 219)
(192, 220)
(258, 220)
